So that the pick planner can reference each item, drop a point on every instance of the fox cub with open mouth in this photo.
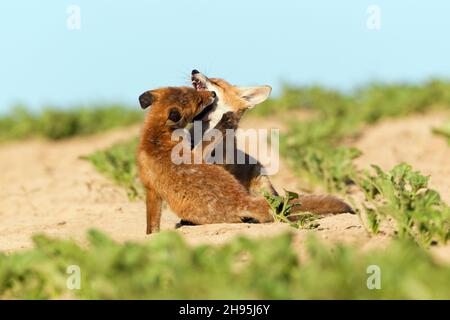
(198, 193)
(231, 103)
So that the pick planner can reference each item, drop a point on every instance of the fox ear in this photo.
(255, 95)
(146, 99)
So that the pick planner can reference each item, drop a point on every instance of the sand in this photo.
(409, 140)
(47, 188)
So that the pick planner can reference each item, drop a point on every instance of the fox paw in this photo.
(183, 223)
(229, 120)
(249, 220)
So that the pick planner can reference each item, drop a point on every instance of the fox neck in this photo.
(217, 113)
(157, 140)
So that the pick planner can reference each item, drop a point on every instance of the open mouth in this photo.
(198, 84)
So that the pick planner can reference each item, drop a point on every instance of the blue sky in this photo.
(126, 47)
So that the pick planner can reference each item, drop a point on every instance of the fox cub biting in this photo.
(198, 193)
(236, 100)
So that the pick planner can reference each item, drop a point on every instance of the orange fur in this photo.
(199, 193)
(236, 100)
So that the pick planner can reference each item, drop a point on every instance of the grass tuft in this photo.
(403, 194)
(282, 209)
(118, 163)
(444, 131)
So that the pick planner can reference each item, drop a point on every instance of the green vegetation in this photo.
(403, 194)
(167, 268)
(119, 163)
(367, 104)
(314, 147)
(58, 124)
(444, 130)
(316, 150)
(282, 207)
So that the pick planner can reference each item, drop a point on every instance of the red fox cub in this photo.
(232, 102)
(198, 193)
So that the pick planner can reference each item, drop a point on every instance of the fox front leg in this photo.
(153, 203)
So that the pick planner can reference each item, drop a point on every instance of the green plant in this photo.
(332, 168)
(315, 147)
(443, 130)
(118, 162)
(403, 194)
(57, 124)
(167, 268)
(282, 208)
(280, 205)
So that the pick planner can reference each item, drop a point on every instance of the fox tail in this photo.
(321, 204)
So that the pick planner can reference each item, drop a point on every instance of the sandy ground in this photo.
(409, 140)
(47, 188)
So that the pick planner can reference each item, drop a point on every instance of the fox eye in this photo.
(174, 115)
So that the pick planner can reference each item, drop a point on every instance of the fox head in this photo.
(229, 97)
(175, 107)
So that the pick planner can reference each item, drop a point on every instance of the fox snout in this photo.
(199, 81)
